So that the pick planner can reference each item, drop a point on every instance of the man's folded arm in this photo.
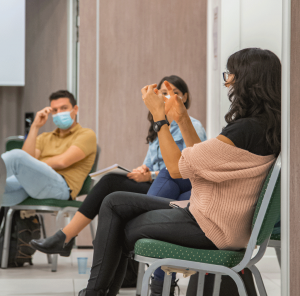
(66, 159)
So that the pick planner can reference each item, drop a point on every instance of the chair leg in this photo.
(54, 262)
(239, 282)
(146, 283)
(141, 273)
(259, 282)
(167, 284)
(6, 242)
(201, 281)
(59, 218)
(45, 235)
(217, 284)
(278, 254)
(92, 230)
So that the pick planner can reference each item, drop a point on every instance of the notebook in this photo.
(116, 169)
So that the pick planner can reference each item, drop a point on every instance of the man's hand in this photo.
(41, 117)
(30, 143)
(140, 177)
(141, 169)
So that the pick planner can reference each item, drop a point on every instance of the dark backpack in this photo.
(228, 286)
(22, 232)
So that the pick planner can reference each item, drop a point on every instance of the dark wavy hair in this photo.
(256, 91)
(180, 84)
(62, 94)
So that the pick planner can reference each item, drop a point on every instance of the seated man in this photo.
(53, 164)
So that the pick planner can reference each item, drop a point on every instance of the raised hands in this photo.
(174, 106)
(154, 101)
(159, 105)
(41, 117)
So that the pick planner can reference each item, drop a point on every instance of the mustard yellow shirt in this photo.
(52, 144)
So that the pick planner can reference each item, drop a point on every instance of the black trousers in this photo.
(108, 184)
(126, 217)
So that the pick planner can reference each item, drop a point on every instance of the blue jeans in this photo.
(165, 186)
(175, 189)
(27, 176)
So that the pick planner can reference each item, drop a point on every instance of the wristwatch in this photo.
(153, 176)
(157, 125)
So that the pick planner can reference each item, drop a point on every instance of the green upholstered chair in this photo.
(62, 207)
(219, 262)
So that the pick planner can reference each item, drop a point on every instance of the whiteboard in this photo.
(12, 42)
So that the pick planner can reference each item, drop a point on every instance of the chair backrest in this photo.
(266, 214)
(14, 142)
(88, 182)
(273, 210)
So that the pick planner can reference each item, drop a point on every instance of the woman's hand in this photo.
(155, 102)
(140, 177)
(142, 169)
(174, 106)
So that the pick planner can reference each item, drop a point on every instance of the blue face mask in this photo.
(63, 120)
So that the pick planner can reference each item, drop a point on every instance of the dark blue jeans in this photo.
(165, 186)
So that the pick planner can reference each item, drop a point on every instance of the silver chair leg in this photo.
(278, 254)
(146, 283)
(201, 281)
(259, 282)
(92, 230)
(141, 273)
(167, 284)
(54, 262)
(6, 242)
(59, 225)
(45, 236)
(239, 282)
(217, 284)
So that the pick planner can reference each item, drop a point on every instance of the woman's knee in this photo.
(113, 198)
(164, 173)
(112, 178)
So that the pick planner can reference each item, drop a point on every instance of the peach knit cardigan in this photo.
(226, 183)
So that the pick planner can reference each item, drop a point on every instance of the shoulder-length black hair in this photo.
(180, 84)
(256, 91)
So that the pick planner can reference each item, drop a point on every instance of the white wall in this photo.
(242, 24)
(12, 42)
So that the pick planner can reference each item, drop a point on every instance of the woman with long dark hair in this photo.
(139, 181)
(227, 174)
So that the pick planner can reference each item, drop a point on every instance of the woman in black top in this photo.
(254, 78)
(248, 134)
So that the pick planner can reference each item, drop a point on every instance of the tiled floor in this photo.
(38, 280)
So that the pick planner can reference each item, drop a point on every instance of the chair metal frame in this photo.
(2, 178)
(40, 209)
(276, 244)
(218, 270)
